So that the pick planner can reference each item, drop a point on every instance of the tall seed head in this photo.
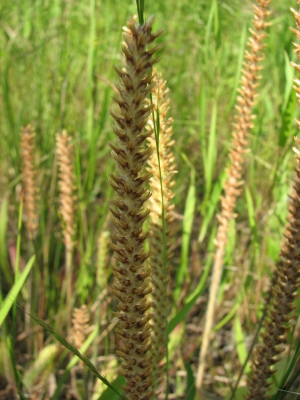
(280, 310)
(30, 186)
(66, 187)
(161, 183)
(131, 276)
(233, 185)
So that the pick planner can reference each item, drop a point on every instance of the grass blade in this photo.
(14, 291)
(75, 351)
(186, 235)
(240, 343)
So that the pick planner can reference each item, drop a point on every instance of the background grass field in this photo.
(56, 72)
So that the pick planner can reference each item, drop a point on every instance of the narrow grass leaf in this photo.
(202, 111)
(240, 343)
(251, 217)
(191, 300)
(186, 235)
(73, 362)
(289, 105)
(230, 315)
(210, 22)
(140, 10)
(190, 383)
(210, 161)
(75, 351)
(288, 128)
(90, 72)
(3, 245)
(110, 394)
(210, 208)
(14, 291)
(285, 383)
(238, 69)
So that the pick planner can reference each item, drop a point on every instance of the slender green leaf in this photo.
(76, 352)
(240, 343)
(190, 383)
(110, 394)
(186, 235)
(73, 362)
(14, 291)
(3, 244)
(190, 301)
(210, 160)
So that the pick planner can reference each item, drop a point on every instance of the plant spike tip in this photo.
(130, 154)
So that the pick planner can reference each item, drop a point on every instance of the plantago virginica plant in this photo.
(67, 201)
(233, 184)
(102, 265)
(131, 284)
(30, 186)
(279, 312)
(80, 319)
(161, 220)
(30, 190)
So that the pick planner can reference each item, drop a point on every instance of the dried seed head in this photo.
(30, 186)
(78, 334)
(130, 154)
(66, 187)
(280, 309)
(159, 277)
(233, 184)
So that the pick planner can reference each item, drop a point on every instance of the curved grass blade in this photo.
(108, 393)
(74, 361)
(76, 352)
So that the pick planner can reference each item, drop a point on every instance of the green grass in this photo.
(56, 71)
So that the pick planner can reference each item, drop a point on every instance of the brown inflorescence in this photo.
(80, 319)
(160, 185)
(233, 184)
(30, 187)
(66, 187)
(243, 120)
(131, 285)
(280, 310)
(67, 206)
(279, 313)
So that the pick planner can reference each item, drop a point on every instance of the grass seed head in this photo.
(130, 154)
(30, 185)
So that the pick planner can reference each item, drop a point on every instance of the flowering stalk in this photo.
(131, 284)
(233, 184)
(280, 310)
(67, 200)
(30, 215)
(30, 186)
(161, 221)
(80, 320)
